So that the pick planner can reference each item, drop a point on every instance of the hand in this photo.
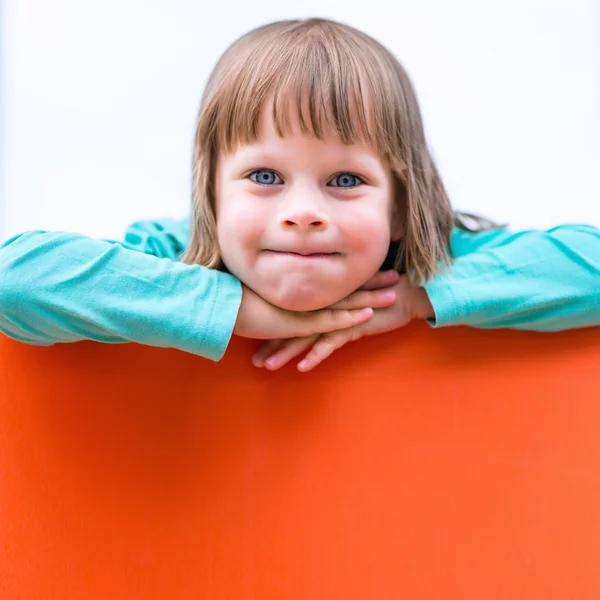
(259, 319)
(412, 302)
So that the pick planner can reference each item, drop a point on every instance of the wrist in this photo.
(421, 305)
(240, 326)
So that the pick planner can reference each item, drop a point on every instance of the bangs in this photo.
(317, 82)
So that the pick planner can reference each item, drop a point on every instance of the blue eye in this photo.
(346, 180)
(265, 177)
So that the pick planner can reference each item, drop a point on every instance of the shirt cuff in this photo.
(448, 309)
(221, 322)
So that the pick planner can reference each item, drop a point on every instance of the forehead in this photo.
(301, 145)
(314, 113)
(280, 122)
(298, 150)
(244, 109)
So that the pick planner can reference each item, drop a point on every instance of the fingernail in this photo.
(391, 275)
(303, 364)
(258, 361)
(388, 295)
(363, 312)
(272, 363)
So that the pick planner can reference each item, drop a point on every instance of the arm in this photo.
(62, 287)
(536, 280)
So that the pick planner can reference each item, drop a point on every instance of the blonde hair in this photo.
(336, 79)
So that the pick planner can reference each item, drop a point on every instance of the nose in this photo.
(303, 213)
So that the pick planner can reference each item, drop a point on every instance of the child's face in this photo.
(303, 222)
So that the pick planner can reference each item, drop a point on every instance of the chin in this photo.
(299, 301)
(300, 306)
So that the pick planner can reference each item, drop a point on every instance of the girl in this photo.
(311, 171)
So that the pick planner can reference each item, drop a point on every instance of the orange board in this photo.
(450, 464)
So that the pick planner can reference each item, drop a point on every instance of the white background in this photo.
(99, 100)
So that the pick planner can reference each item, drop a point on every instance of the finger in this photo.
(288, 350)
(326, 320)
(325, 346)
(374, 299)
(381, 279)
(266, 350)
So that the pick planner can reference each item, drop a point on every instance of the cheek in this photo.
(367, 232)
(239, 229)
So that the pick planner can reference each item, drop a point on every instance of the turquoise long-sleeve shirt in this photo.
(64, 287)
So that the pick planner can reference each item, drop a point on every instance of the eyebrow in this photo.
(255, 154)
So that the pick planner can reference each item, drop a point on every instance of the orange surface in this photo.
(451, 464)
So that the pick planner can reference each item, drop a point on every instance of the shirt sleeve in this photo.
(165, 238)
(536, 280)
(63, 287)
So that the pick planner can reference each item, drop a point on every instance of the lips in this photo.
(304, 253)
